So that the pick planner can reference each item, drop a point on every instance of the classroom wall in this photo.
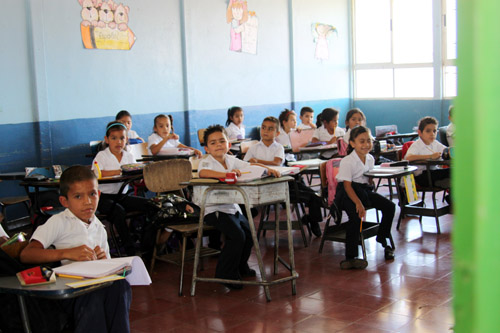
(56, 96)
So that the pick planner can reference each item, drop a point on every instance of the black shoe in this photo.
(316, 230)
(247, 272)
(233, 286)
(353, 264)
(389, 253)
(382, 241)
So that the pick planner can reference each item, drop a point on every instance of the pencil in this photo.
(432, 151)
(70, 276)
(245, 172)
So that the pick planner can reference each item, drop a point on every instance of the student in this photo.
(234, 123)
(288, 123)
(354, 117)
(78, 235)
(355, 192)
(327, 130)
(269, 152)
(125, 117)
(162, 136)
(116, 205)
(426, 147)
(306, 118)
(228, 218)
(450, 130)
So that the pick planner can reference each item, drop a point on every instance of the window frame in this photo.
(440, 60)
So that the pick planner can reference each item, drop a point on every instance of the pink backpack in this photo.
(332, 169)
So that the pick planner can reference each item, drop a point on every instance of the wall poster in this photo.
(244, 27)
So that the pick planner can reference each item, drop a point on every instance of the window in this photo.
(394, 55)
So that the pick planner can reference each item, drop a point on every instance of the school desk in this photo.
(57, 290)
(267, 191)
(12, 175)
(418, 208)
(395, 175)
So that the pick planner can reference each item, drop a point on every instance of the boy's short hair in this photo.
(71, 175)
(121, 114)
(305, 110)
(115, 126)
(211, 130)
(422, 123)
(273, 120)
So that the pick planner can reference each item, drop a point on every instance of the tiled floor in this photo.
(410, 294)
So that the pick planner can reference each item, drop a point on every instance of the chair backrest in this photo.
(138, 150)
(442, 135)
(94, 146)
(245, 145)
(301, 139)
(166, 176)
(201, 133)
(405, 148)
(381, 131)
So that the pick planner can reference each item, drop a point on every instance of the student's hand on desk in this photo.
(197, 153)
(237, 172)
(333, 140)
(100, 254)
(274, 172)
(436, 155)
(253, 160)
(80, 253)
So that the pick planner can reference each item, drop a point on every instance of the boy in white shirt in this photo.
(78, 235)
(227, 218)
(426, 147)
(270, 152)
(306, 118)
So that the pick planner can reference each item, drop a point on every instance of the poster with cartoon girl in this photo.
(244, 26)
(321, 33)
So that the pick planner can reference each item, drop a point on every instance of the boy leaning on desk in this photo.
(78, 235)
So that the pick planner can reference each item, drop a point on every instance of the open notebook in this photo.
(254, 172)
(105, 267)
(176, 152)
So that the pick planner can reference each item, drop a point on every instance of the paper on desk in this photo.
(287, 170)
(251, 172)
(324, 147)
(100, 268)
(176, 152)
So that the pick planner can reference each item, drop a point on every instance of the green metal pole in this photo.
(476, 169)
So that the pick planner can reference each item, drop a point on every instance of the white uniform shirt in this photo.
(210, 163)
(132, 134)
(352, 168)
(262, 152)
(303, 126)
(347, 135)
(235, 132)
(420, 148)
(108, 161)
(284, 139)
(65, 231)
(155, 139)
(321, 133)
(450, 134)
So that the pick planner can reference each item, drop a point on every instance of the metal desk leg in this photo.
(290, 245)
(276, 237)
(256, 244)
(24, 313)
(199, 239)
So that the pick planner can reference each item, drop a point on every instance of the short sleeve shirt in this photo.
(154, 139)
(303, 126)
(210, 163)
(322, 134)
(420, 148)
(262, 152)
(108, 161)
(235, 132)
(352, 168)
(65, 231)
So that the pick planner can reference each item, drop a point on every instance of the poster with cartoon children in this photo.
(244, 27)
(321, 33)
(104, 25)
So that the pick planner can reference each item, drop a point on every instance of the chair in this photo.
(166, 176)
(337, 232)
(418, 208)
(11, 201)
(442, 136)
(201, 133)
(138, 150)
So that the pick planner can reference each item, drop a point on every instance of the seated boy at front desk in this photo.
(78, 235)
(228, 218)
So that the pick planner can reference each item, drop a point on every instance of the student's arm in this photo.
(207, 173)
(34, 253)
(271, 171)
(410, 158)
(276, 162)
(332, 140)
(111, 173)
(155, 148)
(360, 209)
(196, 151)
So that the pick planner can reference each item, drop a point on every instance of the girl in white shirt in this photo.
(234, 124)
(354, 117)
(355, 192)
(328, 130)
(164, 137)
